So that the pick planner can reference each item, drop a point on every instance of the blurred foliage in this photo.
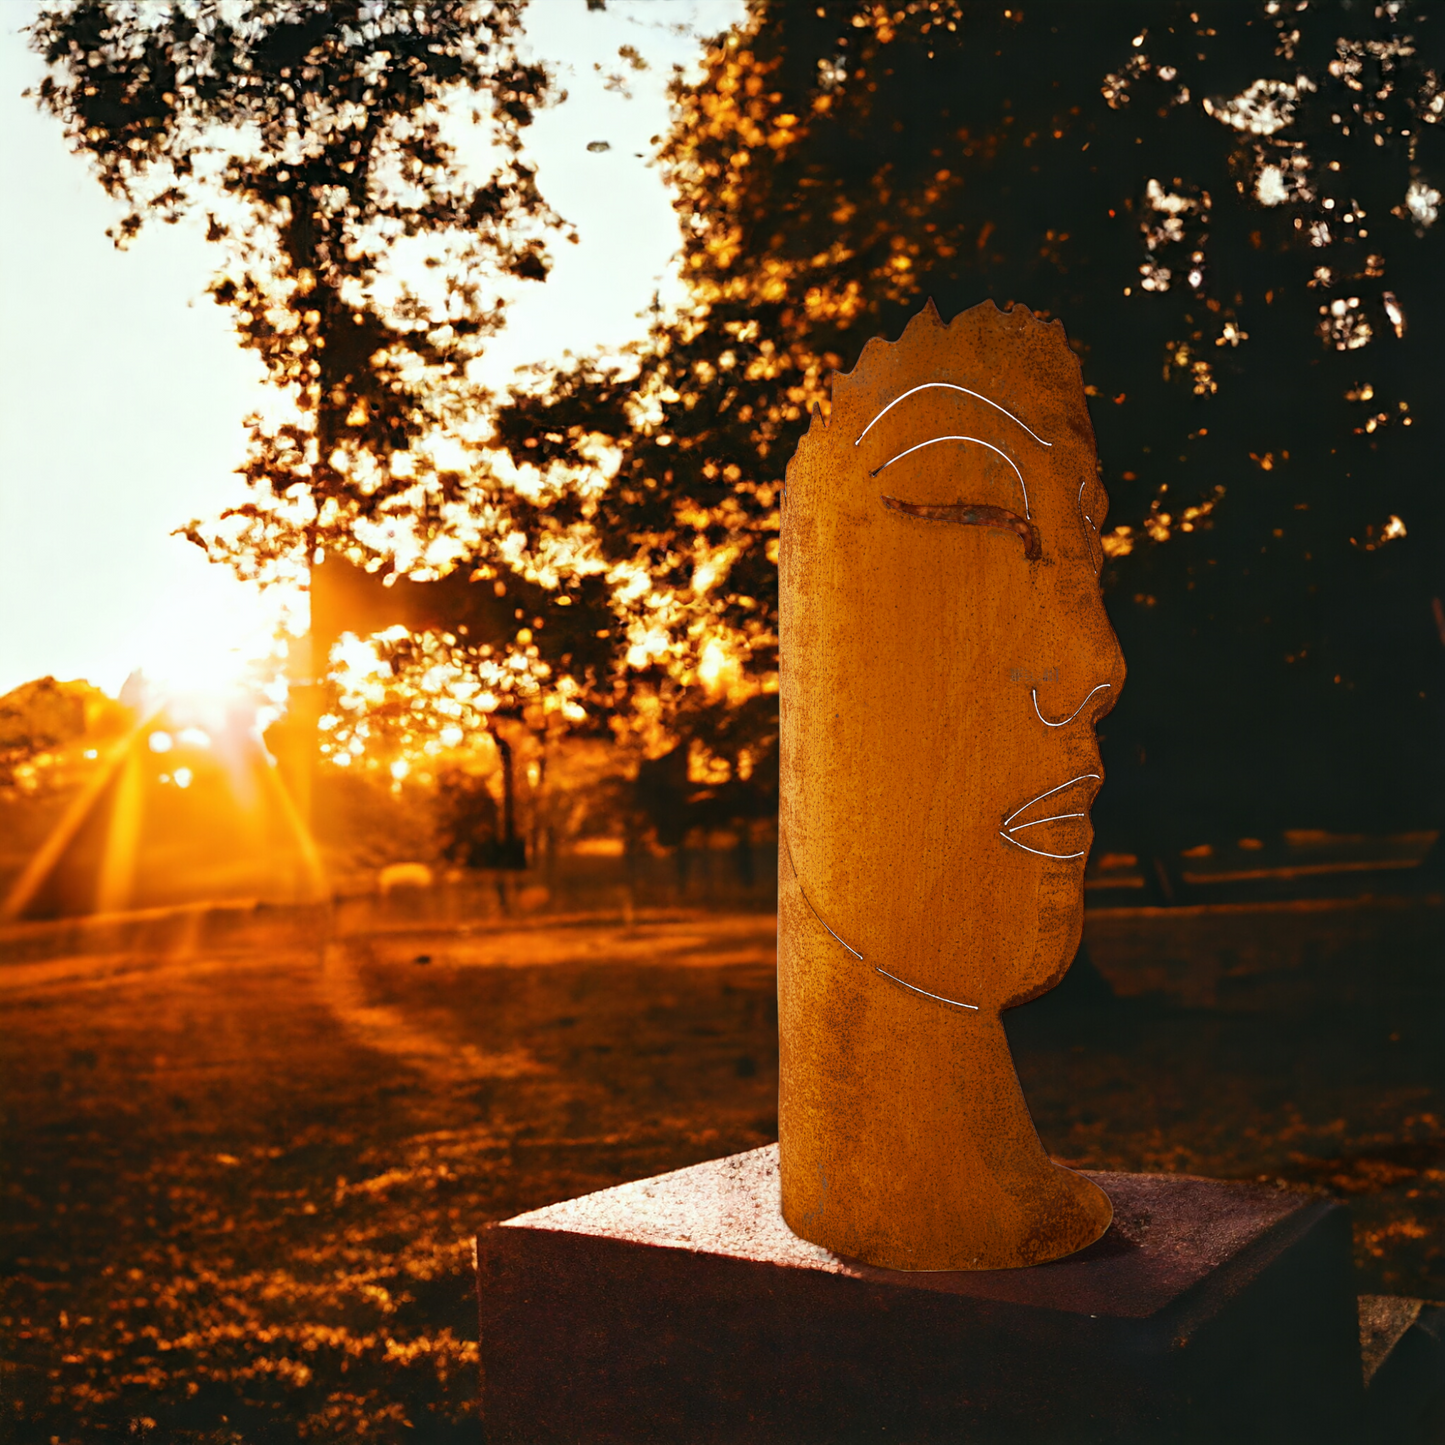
(40, 714)
(44, 721)
(1229, 206)
(454, 653)
(316, 140)
(360, 171)
(470, 829)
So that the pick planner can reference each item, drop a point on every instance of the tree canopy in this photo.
(359, 167)
(1231, 209)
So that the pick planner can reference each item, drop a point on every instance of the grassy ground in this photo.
(240, 1182)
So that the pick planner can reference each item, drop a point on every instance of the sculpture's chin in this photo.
(1060, 930)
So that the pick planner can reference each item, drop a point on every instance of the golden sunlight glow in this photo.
(211, 645)
(117, 869)
(718, 669)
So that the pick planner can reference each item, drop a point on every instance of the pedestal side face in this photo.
(682, 1308)
(945, 656)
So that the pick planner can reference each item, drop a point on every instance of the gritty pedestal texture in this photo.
(682, 1308)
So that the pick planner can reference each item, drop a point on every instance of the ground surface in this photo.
(240, 1179)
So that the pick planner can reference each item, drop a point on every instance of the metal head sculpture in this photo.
(946, 656)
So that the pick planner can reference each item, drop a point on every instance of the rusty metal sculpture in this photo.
(946, 656)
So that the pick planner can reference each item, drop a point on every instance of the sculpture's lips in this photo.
(1055, 823)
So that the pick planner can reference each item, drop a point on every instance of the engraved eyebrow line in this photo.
(978, 441)
(913, 988)
(1034, 693)
(950, 386)
(1049, 794)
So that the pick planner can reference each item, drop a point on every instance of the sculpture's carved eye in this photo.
(972, 514)
(942, 468)
(963, 480)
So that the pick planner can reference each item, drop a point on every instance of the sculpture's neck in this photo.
(960, 1077)
(906, 1138)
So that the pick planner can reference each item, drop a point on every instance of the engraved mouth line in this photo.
(1009, 827)
(891, 977)
(1039, 822)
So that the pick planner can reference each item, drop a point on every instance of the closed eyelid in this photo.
(972, 514)
(976, 441)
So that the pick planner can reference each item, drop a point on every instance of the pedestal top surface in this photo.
(1170, 1231)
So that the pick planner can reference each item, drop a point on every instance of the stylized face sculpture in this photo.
(945, 657)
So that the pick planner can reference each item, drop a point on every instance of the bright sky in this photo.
(122, 391)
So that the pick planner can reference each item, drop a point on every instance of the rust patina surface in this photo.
(940, 688)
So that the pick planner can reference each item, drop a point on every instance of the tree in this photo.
(1226, 205)
(43, 718)
(427, 680)
(364, 261)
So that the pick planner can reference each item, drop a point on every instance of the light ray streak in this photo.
(977, 441)
(115, 885)
(950, 386)
(45, 858)
(1034, 693)
(313, 870)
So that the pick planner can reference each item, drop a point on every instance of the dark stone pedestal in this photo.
(682, 1309)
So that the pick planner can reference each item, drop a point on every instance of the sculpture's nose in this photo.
(1110, 661)
(1089, 668)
